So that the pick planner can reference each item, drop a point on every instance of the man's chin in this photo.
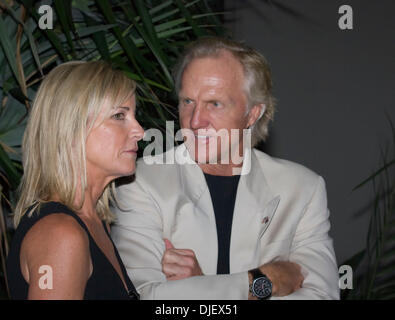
(206, 156)
(213, 159)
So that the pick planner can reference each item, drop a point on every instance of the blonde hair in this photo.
(66, 106)
(257, 76)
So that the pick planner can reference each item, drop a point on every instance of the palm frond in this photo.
(141, 38)
(375, 265)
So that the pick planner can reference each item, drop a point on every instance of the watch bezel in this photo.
(267, 287)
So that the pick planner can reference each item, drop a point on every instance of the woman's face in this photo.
(111, 146)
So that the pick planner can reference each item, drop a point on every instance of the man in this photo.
(215, 227)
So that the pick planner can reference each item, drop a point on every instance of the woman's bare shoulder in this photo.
(59, 228)
(54, 237)
(57, 241)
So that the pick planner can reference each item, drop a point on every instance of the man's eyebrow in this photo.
(183, 96)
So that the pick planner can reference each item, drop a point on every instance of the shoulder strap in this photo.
(48, 208)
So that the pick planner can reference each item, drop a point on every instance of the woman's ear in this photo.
(255, 114)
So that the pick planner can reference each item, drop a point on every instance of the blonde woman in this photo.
(82, 134)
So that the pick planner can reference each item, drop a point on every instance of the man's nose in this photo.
(199, 117)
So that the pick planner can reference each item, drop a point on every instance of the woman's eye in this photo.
(118, 116)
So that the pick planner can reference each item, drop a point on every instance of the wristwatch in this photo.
(261, 286)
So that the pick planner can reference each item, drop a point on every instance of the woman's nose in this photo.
(137, 131)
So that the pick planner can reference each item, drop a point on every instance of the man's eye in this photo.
(187, 101)
(118, 116)
(215, 104)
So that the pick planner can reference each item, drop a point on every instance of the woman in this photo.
(82, 134)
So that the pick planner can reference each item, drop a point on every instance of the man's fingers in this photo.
(168, 244)
(170, 269)
(179, 263)
(174, 271)
(178, 256)
(186, 252)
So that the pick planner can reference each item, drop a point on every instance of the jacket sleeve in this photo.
(312, 249)
(138, 235)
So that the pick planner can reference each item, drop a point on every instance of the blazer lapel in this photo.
(205, 242)
(255, 206)
(254, 209)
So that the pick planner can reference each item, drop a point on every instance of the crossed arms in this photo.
(139, 237)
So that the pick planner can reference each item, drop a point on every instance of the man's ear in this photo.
(255, 114)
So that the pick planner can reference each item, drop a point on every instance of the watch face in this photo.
(262, 288)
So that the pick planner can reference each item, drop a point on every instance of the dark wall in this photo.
(334, 89)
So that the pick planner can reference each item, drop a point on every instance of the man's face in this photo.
(211, 103)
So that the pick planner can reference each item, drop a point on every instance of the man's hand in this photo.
(179, 263)
(285, 276)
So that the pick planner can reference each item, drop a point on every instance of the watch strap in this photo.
(256, 274)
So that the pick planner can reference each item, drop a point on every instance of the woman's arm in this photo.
(55, 259)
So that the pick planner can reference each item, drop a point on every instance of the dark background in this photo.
(334, 89)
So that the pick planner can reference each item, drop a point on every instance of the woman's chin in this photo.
(126, 172)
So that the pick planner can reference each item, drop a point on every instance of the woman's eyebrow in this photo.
(123, 107)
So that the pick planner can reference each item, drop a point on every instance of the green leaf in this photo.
(7, 167)
(93, 29)
(62, 8)
(371, 177)
(10, 119)
(167, 14)
(8, 49)
(184, 11)
(169, 33)
(98, 38)
(160, 7)
(18, 94)
(28, 32)
(151, 39)
(50, 34)
(214, 20)
(129, 47)
(136, 77)
(145, 18)
(33, 48)
(170, 24)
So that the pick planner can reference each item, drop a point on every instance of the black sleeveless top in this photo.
(104, 282)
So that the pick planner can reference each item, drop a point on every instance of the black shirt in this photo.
(223, 191)
(104, 282)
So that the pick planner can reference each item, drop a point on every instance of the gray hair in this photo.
(258, 80)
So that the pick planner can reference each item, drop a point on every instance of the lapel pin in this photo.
(265, 220)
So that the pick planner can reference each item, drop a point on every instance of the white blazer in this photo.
(280, 213)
